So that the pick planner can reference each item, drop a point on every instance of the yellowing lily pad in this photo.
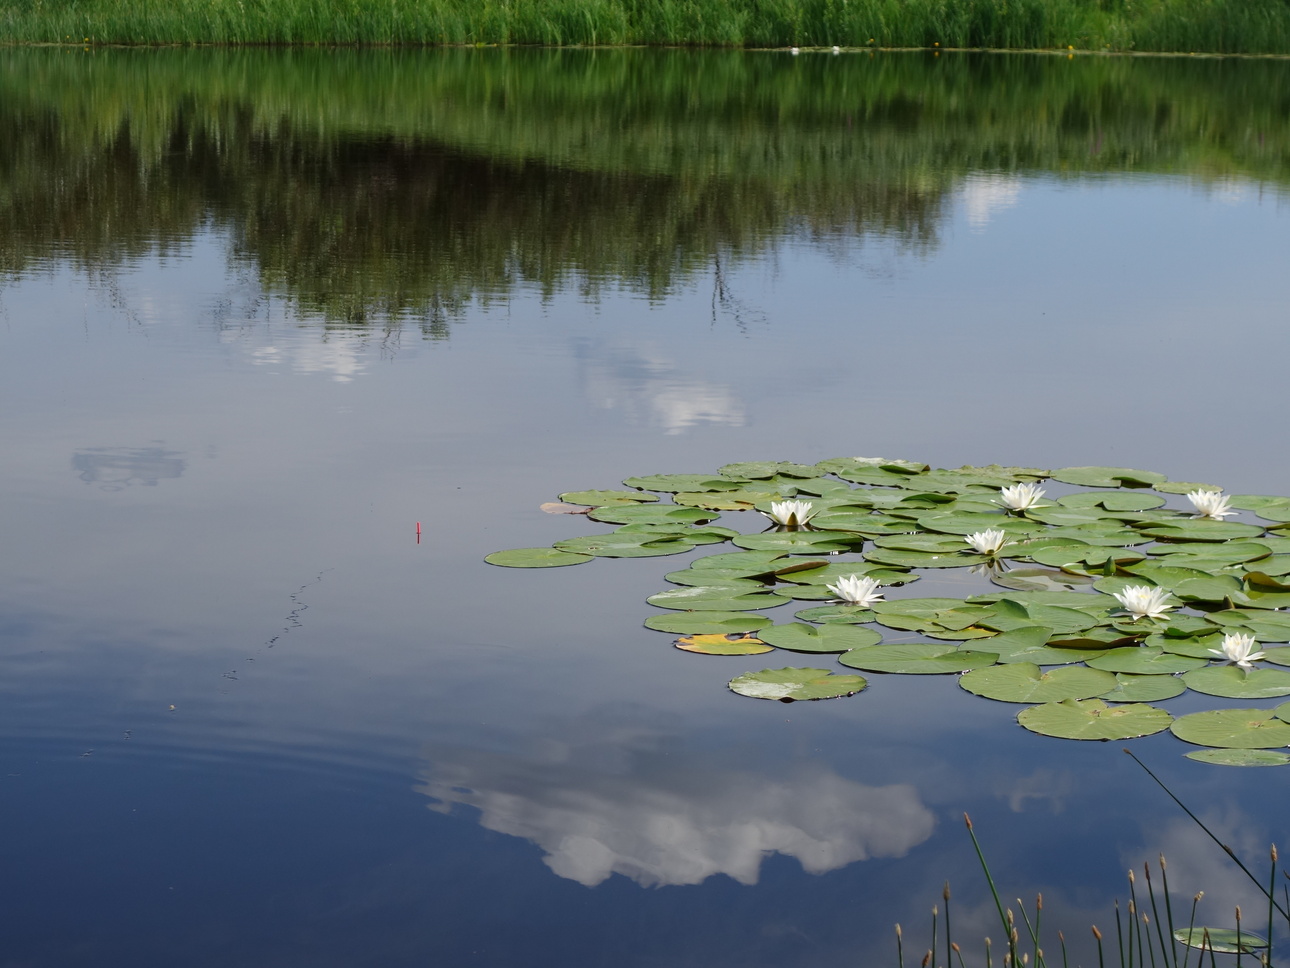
(790, 685)
(718, 644)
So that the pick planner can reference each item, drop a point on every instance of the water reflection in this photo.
(501, 170)
(113, 469)
(651, 390)
(609, 797)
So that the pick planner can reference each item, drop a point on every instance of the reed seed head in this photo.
(946, 893)
(1096, 933)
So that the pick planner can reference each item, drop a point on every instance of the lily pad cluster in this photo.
(1120, 590)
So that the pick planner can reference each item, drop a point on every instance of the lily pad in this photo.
(722, 644)
(1222, 940)
(603, 498)
(1202, 529)
(1240, 757)
(1092, 719)
(625, 545)
(535, 558)
(1143, 661)
(1113, 500)
(653, 513)
(744, 500)
(790, 685)
(707, 623)
(1107, 477)
(836, 615)
(761, 469)
(924, 559)
(684, 482)
(1025, 682)
(714, 598)
(1131, 688)
(800, 637)
(1232, 682)
(1248, 729)
(1039, 579)
(798, 542)
(916, 658)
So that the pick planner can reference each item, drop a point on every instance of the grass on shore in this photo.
(1214, 26)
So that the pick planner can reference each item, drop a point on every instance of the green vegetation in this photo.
(371, 186)
(1226, 26)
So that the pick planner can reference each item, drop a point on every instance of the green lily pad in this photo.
(684, 482)
(1202, 529)
(756, 562)
(761, 469)
(535, 558)
(1196, 646)
(1240, 757)
(1039, 579)
(1092, 719)
(1248, 729)
(603, 498)
(800, 637)
(625, 545)
(1232, 682)
(829, 572)
(916, 658)
(914, 614)
(790, 685)
(1113, 500)
(969, 523)
(924, 559)
(1131, 688)
(714, 598)
(723, 644)
(797, 542)
(1183, 487)
(1222, 940)
(1143, 661)
(744, 500)
(707, 623)
(930, 543)
(651, 513)
(836, 615)
(1107, 477)
(1026, 682)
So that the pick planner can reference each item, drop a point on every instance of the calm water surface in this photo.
(261, 313)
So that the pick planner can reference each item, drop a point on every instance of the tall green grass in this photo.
(1220, 26)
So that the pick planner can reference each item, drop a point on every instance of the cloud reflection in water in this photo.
(634, 804)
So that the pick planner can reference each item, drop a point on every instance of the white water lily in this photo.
(854, 590)
(987, 542)
(1238, 647)
(790, 514)
(1210, 504)
(1144, 600)
(1020, 497)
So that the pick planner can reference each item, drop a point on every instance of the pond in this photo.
(292, 339)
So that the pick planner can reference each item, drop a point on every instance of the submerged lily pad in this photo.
(790, 685)
(1248, 729)
(1025, 682)
(535, 558)
(1240, 757)
(723, 644)
(1094, 719)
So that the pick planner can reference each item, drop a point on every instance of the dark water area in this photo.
(261, 312)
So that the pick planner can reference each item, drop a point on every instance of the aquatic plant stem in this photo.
(1226, 849)
(1272, 887)
(900, 949)
(980, 856)
(1169, 912)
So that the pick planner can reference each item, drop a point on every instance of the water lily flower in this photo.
(987, 542)
(1210, 504)
(790, 514)
(1020, 497)
(1144, 600)
(1238, 647)
(854, 590)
